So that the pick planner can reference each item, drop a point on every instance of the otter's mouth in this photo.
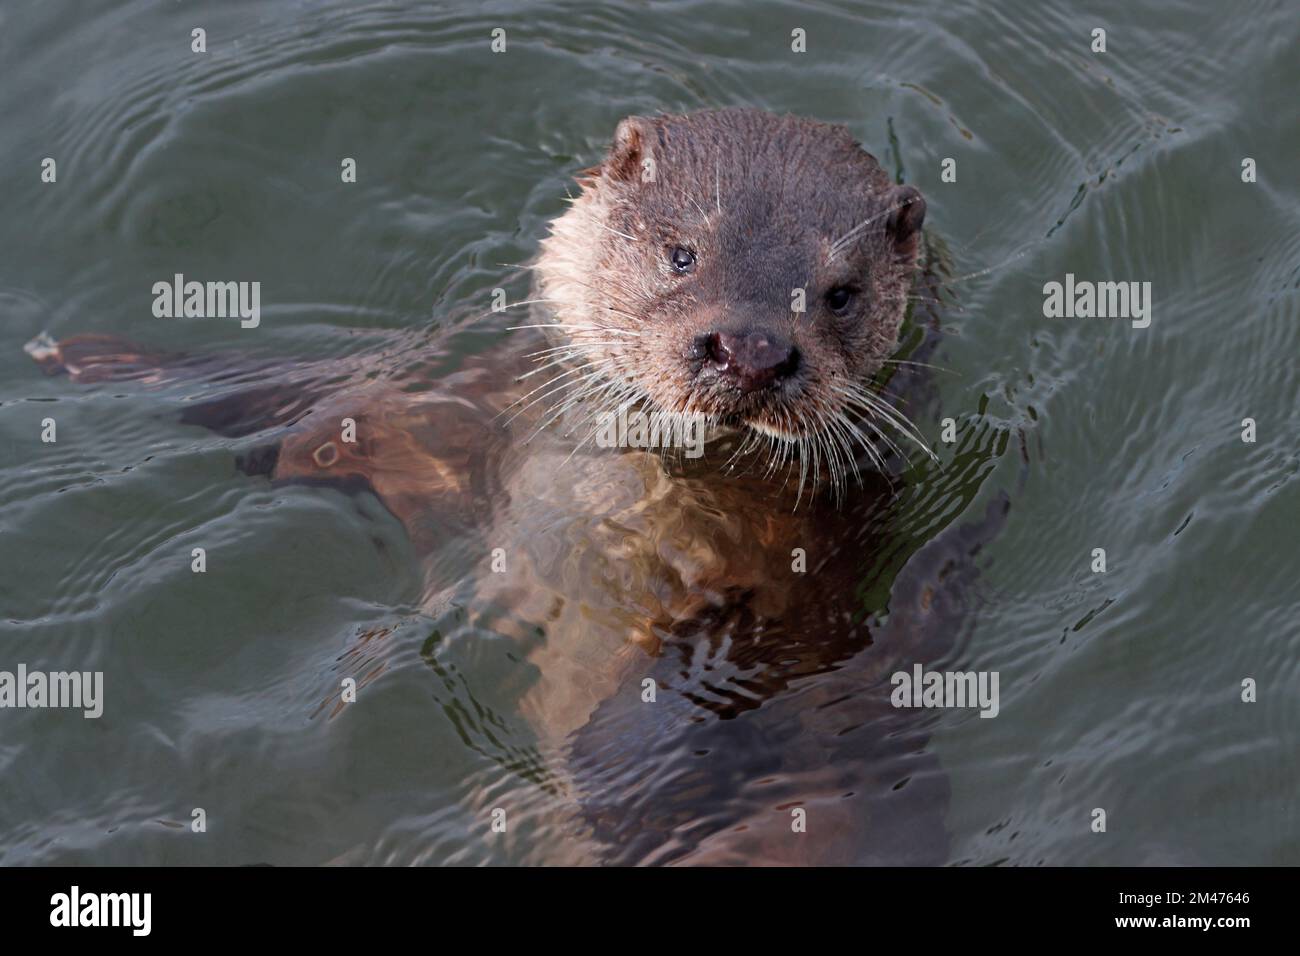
(827, 424)
(771, 406)
(772, 414)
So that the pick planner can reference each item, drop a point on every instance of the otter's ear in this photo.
(631, 156)
(907, 213)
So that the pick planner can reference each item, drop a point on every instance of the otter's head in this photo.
(748, 267)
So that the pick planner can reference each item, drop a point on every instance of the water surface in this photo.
(1119, 690)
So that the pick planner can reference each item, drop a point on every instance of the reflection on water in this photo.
(523, 690)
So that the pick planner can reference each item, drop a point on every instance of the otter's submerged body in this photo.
(667, 611)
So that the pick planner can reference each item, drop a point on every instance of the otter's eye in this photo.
(682, 260)
(838, 299)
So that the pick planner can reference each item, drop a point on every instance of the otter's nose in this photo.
(752, 360)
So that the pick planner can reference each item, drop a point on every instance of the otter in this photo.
(748, 270)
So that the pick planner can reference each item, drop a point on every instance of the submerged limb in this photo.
(93, 357)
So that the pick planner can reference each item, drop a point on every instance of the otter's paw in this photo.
(98, 358)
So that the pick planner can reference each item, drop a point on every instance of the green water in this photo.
(1120, 690)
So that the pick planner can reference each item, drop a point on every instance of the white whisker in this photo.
(579, 328)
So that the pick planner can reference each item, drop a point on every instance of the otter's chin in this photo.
(772, 430)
